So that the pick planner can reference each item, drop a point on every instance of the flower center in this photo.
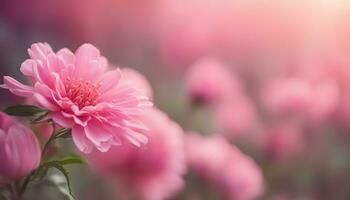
(82, 93)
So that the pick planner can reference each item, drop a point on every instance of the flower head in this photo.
(83, 94)
(231, 173)
(150, 173)
(210, 81)
(284, 142)
(19, 149)
(311, 101)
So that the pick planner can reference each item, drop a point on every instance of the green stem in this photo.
(14, 192)
(49, 141)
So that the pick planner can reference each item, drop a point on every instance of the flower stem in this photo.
(48, 143)
(14, 192)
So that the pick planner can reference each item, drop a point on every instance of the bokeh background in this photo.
(287, 64)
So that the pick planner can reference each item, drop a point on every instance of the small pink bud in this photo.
(19, 149)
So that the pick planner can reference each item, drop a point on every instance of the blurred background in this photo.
(271, 77)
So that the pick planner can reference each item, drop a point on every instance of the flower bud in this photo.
(19, 149)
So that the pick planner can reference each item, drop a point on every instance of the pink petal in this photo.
(58, 84)
(110, 80)
(95, 71)
(84, 54)
(43, 74)
(43, 89)
(135, 125)
(135, 138)
(44, 102)
(54, 64)
(96, 133)
(16, 87)
(80, 140)
(103, 63)
(39, 51)
(82, 121)
(27, 67)
(67, 56)
(61, 120)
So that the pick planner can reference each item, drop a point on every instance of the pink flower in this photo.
(236, 29)
(312, 101)
(139, 80)
(19, 149)
(210, 81)
(284, 142)
(236, 117)
(231, 173)
(84, 95)
(288, 95)
(150, 173)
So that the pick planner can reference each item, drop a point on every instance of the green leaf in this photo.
(64, 133)
(24, 110)
(59, 167)
(71, 159)
(39, 117)
(41, 172)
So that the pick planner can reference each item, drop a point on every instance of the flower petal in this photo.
(84, 54)
(110, 80)
(16, 87)
(80, 140)
(44, 102)
(65, 122)
(67, 56)
(27, 67)
(135, 138)
(96, 133)
(39, 51)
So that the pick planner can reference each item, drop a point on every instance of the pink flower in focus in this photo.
(83, 94)
(234, 175)
(139, 81)
(236, 117)
(210, 81)
(150, 173)
(284, 142)
(19, 149)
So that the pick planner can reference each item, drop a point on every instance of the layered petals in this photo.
(81, 92)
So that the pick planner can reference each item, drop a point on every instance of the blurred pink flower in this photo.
(83, 95)
(236, 117)
(233, 174)
(313, 101)
(239, 30)
(210, 81)
(150, 173)
(139, 80)
(20, 152)
(284, 142)
(343, 110)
